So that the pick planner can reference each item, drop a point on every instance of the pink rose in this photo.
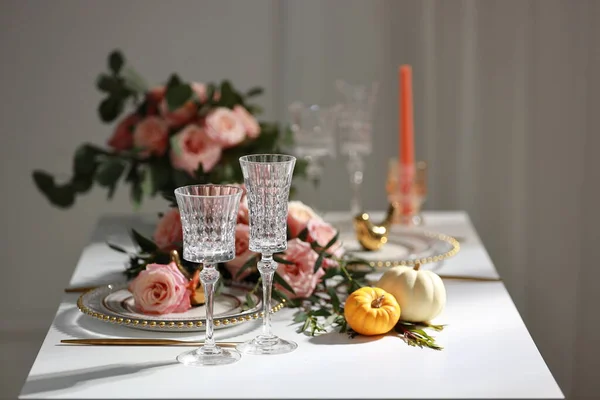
(180, 116)
(122, 138)
(250, 124)
(300, 275)
(153, 99)
(168, 233)
(224, 127)
(161, 289)
(192, 147)
(298, 216)
(321, 232)
(151, 136)
(242, 253)
(243, 212)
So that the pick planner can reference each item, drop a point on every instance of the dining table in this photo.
(487, 349)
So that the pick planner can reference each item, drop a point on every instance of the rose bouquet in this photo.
(170, 135)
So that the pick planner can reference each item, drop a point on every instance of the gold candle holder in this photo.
(406, 190)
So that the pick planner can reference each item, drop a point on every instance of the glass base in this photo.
(408, 220)
(201, 357)
(267, 345)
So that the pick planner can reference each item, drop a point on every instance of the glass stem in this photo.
(355, 169)
(209, 276)
(267, 267)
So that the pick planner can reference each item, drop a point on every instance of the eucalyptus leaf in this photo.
(178, 95)
(250, 300)
(116, 248)
(145, 244)
(134, 81)
(110, 108)
(333, 240)
(303, 235)
(321, 313)
(319, 262)
(248, 264)
(255, 91)
(116, 61)
(110, 171)
(300, 316)
(136, 193)
(59, 195)
(107, 84)
(82, 183)
(335, 300)
(282, 260)
(84, 162)
(278, 279)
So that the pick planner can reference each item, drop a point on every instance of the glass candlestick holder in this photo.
(406, 188)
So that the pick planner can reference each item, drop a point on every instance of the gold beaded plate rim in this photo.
(411, 262)
(175, 325)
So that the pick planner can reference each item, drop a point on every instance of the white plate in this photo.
(404, 245)
(115, 304)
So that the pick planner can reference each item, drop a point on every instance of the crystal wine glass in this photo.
(267, 178)
(208, 217)
(355, 126)
(313, 127)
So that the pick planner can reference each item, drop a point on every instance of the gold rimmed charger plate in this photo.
(406, 246)
(115, 304)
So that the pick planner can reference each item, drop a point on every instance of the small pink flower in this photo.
(161, 289)
(321, 232)
(224, 127)
(122, 138)
(168, 233)
(250, 124)
(242, 253)
(299, 275)
(151, 136)
(192, 147)
(298, 216)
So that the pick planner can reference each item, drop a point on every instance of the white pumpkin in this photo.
(420, 294)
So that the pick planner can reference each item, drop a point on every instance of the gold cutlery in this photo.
(469, 278)
(141, 342)
(81, 289)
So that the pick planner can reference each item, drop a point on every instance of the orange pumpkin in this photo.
(371, 311)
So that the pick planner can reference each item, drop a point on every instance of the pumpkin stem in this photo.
(417, 267)
(377, 302)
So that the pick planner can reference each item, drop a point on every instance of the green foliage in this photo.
(178, 93)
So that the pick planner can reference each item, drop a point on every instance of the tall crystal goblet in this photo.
(268, 178)
(208, 217)
(355, 122)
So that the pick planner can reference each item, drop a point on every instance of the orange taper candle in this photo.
(407, 142)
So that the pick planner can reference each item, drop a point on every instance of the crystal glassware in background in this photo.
(355, 120)
(313, 129)
(208, 218)
(267, 178)
(407, 203)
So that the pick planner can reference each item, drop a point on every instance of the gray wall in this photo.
(506, 115)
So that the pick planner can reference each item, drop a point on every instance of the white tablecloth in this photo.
(488, 350)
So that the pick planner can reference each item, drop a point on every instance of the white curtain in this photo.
(504, 113)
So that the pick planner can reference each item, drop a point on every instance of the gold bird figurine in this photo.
(373, 236)
(198, 297)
